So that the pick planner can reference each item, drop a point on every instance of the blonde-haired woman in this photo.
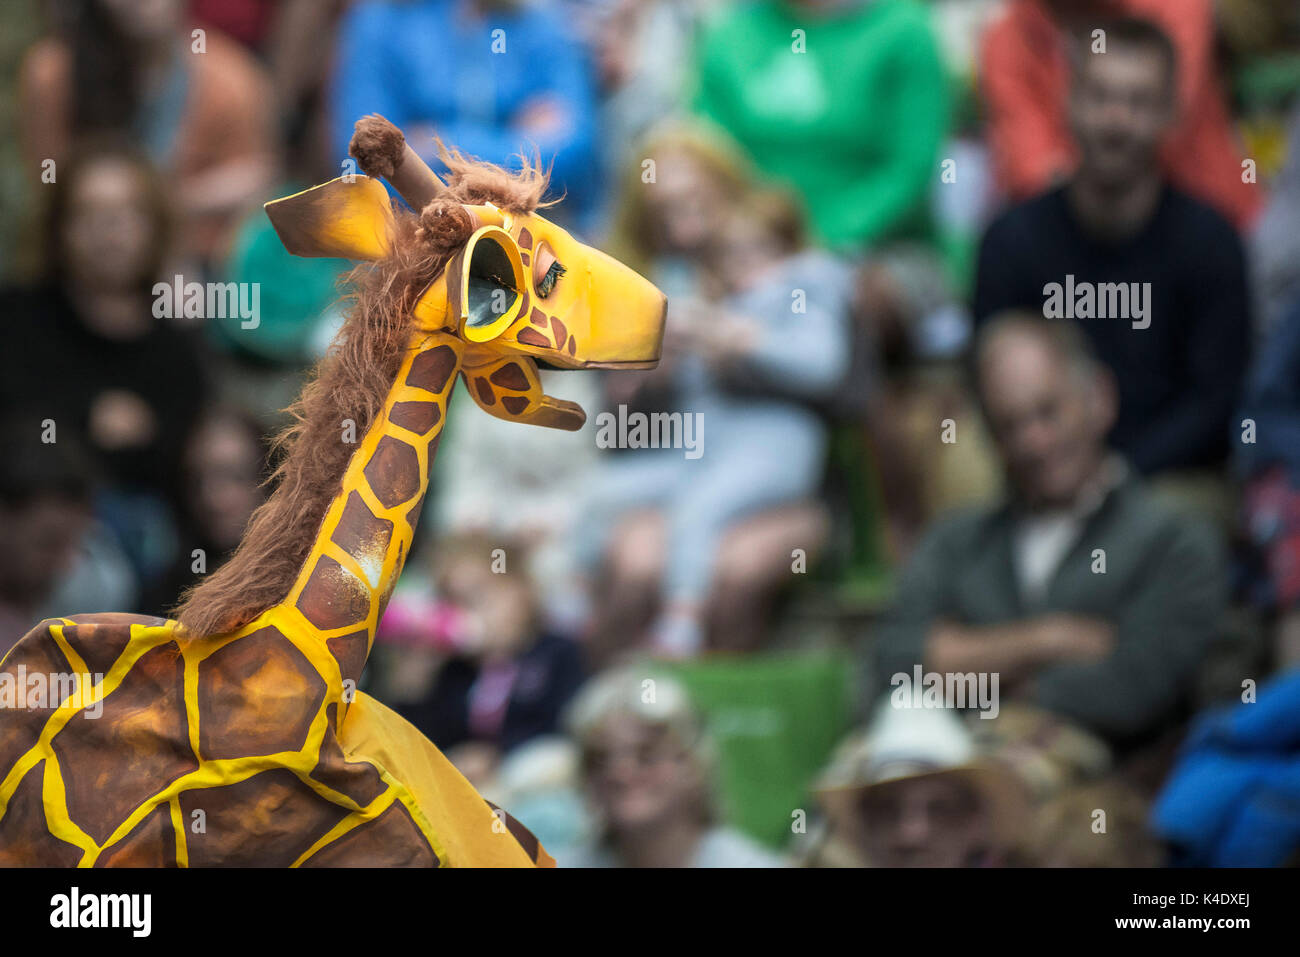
(686, 544)
(647, 768)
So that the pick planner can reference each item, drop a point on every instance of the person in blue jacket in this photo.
(491, 77)
(1233, 799)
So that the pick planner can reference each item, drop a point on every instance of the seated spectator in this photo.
(647, 770)
(750, 373)
(1081, 592)
(1026, 64)
(540, 782)
(536, 493)
(662, 226)
(495, 679)
(1065, 832)
(223, 469)
(915, 790)
(1275, 244)
(1233, 799)
(643, 51)
(1155, 278)
(922, 381)
(1268, 459)
(51, 548)
(846, 102)
(132, 69)
(89, 352)
(492, 77)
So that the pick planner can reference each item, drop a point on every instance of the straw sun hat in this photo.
(901, 744)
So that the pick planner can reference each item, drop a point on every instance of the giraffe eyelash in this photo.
(547, 285)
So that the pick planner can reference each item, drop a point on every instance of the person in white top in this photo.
(647, 772)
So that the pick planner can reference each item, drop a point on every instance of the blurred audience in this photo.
(846, 101)
(1096, 825)
(200, 106)
(90, 354)
(1155, 278)
(223, 468)
(668, 207)
(647, 770)
(915, 790)
(520, 83)
(1081, 592)
(1275, 245)
(536, 495)
(248, 21)
(1027, 59)
(51, 547)
(486, 677)
(663, 221)
(643, 51)
(920, 345)
(1230, 801)
(1268, 460)
(20, 25)
(749, 363)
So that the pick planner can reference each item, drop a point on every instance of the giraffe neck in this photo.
(355, 561)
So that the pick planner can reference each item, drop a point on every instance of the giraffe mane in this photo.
(474, 182)
(351, 382)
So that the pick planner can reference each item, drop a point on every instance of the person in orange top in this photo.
(1024, 79)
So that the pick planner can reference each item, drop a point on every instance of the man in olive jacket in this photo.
(1082, 593)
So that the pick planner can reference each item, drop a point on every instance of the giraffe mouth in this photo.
(634, 364)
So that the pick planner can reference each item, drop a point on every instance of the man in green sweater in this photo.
(844, 100)
(1082, 593)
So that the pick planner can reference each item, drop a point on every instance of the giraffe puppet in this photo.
(234, 735)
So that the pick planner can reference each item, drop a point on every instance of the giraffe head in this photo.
(517, 289)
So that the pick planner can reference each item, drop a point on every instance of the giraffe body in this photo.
(253, 747)
(299, 788)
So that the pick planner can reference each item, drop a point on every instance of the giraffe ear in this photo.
(486, 284)
(510, 388)
(348, 219)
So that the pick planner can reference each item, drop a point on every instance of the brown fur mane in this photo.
(351, 382)
(475, 183)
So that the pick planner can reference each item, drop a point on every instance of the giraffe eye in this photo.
(553, 274)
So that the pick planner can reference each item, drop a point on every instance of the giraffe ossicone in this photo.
(245, 742)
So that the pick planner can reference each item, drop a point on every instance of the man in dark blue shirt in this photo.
(1156, 279)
